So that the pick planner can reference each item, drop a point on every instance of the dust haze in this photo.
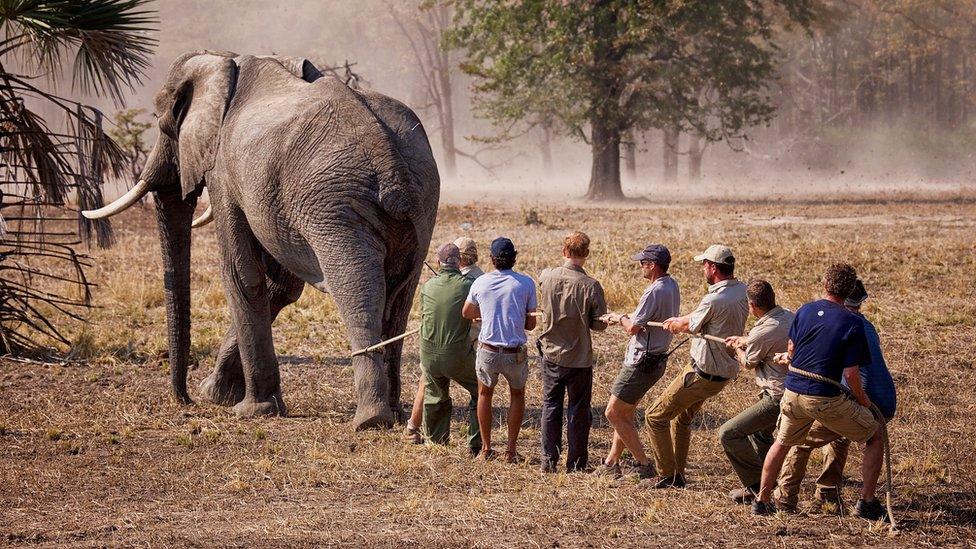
(872, 158)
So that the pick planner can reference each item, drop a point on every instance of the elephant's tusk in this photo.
(204, 219)
(121, 203)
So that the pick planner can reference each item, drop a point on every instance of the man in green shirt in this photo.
(445, 349)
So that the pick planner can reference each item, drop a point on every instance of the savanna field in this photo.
(95, 451)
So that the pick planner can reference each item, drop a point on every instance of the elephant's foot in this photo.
(221, 390)
(373, 417)
(250, 407)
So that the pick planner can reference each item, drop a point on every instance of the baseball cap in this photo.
(658, 253)
(502, 247)
(467, 246)
(448, 255)
(857, 296)
(716, 253)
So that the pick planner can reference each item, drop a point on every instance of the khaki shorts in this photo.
(635, 380)
(512, 366)
(840, 414)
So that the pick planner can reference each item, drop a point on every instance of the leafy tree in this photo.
(128, 134)
(603, 67)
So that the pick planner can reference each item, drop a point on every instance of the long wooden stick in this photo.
(381, 344)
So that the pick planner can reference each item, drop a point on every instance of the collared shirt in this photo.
(472, 271)
(572, 304)
(660, 301)
(504, 298)
(769, 336)
(827, 338)
(441, 300)
(722, 313)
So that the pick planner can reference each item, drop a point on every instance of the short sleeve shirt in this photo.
(660, 301)
(504, 298)
(769, 336)
(827, 338)
(572, 304)
(722, 313)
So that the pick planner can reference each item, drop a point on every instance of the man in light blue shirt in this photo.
(504, 300)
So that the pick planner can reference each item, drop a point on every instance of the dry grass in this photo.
(97, 453)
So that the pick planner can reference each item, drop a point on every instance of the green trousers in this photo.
(747, 437)
(440, 366)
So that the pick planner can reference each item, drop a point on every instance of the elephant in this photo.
(310, 181)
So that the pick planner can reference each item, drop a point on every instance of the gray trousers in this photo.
(747, 437)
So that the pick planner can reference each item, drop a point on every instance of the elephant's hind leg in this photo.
(353, 267)
(225, 385)
(244, 274)
(400, 292)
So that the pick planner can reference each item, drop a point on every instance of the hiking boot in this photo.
(830, 501)
(487, 455)
(514, 457)
(658, 483)
(762, 508)
(743, 495)
(871, 510)
(411, 435)
(604, 470)
(646, 471)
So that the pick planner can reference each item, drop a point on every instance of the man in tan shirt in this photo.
(721, 313)
(747, 437)
(572, 303)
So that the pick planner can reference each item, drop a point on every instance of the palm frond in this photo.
(109, 40)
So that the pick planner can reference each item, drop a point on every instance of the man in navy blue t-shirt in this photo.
(880, 388)
(826, 340)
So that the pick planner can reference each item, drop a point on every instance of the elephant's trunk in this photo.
(173, 216)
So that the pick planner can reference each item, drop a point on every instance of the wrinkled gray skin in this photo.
(310, 181)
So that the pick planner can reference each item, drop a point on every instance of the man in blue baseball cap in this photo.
(503, 299)
(645, 360)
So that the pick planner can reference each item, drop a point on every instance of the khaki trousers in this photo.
(669, 419)
(795, 467)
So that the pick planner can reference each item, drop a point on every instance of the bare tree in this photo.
(424, 27)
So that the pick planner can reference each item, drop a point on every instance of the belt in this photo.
(495, 349)
(708, 377)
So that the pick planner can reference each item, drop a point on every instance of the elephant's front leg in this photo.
(247, 298)
(225, 385)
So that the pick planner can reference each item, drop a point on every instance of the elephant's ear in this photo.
(299, 66)
(198, 112)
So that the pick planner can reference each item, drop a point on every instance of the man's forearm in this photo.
(470, 311)
(740, 355)
(853, 377)
(680, 324)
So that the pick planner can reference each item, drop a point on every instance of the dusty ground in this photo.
(96, 452)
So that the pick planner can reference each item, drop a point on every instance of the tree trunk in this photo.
(630, 157)
(695, 153)
(446, 107)
(671, 140)
(545, 145)
(605, 173)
